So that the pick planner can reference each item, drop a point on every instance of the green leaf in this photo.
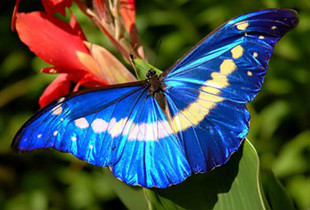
(275, 193)
(141, 68)
(234, 185)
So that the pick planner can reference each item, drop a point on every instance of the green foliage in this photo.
(279, 128)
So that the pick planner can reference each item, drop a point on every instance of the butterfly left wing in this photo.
(207, 89)
(121, 127)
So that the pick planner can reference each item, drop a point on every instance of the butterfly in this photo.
(190, 119)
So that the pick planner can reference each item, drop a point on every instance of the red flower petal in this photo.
(76, 27)
(53, 6)
(88, 80)
(110, 67)
(128, 12)
(58, 88)
(51, 39)
(50, 6)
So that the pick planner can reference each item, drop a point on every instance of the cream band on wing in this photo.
(152, 131)
(207, 99)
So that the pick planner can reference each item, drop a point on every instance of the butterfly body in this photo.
(190, 119)
(155, 85)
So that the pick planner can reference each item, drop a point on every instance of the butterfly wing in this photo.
(208, 88)
(123, 128)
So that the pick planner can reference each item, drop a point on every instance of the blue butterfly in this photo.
(190, 119)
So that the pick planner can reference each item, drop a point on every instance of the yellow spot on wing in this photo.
(218, 80)
(255, 54)
(227, 67)
(249, 73)
(237, 52)
(261, 37)
(274, 27)
(242, 25)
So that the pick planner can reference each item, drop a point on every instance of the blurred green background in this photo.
(280, 125)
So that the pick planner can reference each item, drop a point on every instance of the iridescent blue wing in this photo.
(208, 88)
(119, 127)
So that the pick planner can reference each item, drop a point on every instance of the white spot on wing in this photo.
(274, 27)
(261, 37)
(55, 133)
(81, 123)
(39, 136)
(57, 110)
(99, 125)
(134, 131)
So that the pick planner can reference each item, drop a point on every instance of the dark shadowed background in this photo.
(280, 125)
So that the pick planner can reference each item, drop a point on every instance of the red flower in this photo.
(64, 46)
(50, 6)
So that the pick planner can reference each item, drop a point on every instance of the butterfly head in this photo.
(151, 74)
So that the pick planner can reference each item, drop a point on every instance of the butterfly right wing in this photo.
(208, 88)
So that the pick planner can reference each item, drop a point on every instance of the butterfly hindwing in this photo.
(208, 88)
